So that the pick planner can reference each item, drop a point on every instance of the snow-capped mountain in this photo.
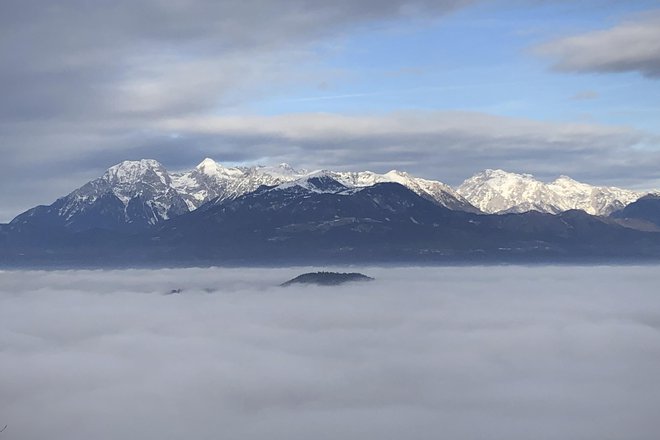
(146, 181)
(213, 181)
(318, 182)
(135, 195)
(268, 214)
(139, 194)
(132, 194)
(497, 191)
(433, 190)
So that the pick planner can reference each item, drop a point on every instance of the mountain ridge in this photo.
(150, 194)
(323, 221)
(139, 195)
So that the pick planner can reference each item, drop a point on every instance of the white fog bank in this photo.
(510, 353)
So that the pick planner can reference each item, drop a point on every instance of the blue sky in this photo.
(478, 59)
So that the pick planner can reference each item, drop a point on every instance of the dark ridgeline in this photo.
(646, 209)
(327, 278)
(322, 221)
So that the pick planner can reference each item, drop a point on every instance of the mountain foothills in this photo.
(139, 213)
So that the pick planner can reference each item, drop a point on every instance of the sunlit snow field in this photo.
(420, 353)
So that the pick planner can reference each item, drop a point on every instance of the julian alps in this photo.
(211, 181)
(497, 191)
(139, 195)
(433, 190)
(319, 220)
(132, 195)
(135, 195)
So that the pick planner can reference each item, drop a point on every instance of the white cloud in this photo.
(631, 46)
(502, 353)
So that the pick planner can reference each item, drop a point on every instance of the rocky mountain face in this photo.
(210, 181)
(132, 195)
(433, 190)
(497, 191)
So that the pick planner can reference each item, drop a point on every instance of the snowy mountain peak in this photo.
(403, 178)
(318, 182)
(207, 164)
(490, 174)
(130, 195)
(498, 191)
(210, 167)
(215, 170)
(567, 181)
(438, 192)
(131, 171)
(394, 174)
(282, 171)
(286, 167)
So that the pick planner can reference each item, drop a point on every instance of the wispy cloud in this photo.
(585, 95)
(445, 145)
(405, 91)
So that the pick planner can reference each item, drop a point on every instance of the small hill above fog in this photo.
(327, 278)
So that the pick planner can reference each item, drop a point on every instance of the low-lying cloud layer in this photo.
(421, 353)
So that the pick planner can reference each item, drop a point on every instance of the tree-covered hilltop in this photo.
(327, 278)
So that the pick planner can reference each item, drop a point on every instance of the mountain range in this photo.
(136, 195)
(139, 212)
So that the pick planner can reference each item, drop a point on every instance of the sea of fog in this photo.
(421, 353)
